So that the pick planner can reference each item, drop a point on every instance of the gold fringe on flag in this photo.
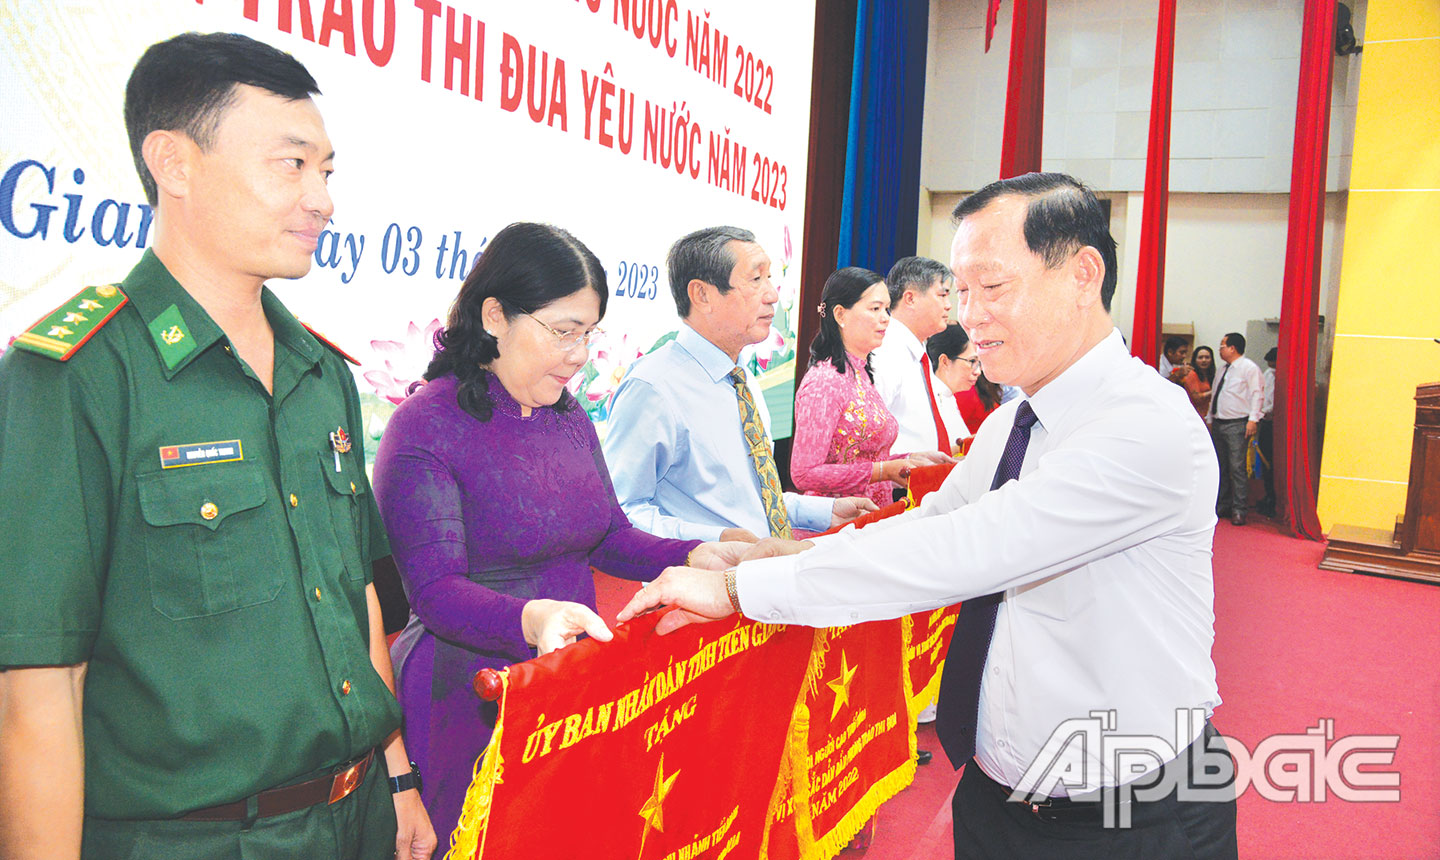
(468, 839)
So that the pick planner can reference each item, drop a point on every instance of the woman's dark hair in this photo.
(949, 343)
(1208, 374)
(525, 267)
(842, 290)
(989, 392)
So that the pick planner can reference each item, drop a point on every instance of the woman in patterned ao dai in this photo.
(843, 432)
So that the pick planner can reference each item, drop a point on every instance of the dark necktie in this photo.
(959, 709)
(1215, 396)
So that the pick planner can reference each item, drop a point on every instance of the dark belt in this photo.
(1085, 809)
(1089, 808)
(303, 795)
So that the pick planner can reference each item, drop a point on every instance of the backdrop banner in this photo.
(628, 123)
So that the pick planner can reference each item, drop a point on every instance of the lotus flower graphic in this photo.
(405, 362)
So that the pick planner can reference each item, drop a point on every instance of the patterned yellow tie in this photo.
(764, 460)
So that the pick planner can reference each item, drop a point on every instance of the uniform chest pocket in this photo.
(346, 500)
(210, 547)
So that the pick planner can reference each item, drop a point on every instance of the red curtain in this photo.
(992, 14)
(1025, 92)
(1150, 275)
(1296, 451)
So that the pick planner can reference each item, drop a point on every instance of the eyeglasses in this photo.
(568, 340)
(973, 362)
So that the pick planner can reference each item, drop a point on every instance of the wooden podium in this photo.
(1412, 550)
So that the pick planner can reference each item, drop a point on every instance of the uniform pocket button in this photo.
(209, 511)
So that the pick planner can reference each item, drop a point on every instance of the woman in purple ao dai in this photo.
(497, 500)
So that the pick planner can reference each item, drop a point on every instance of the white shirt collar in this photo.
(1078, 381)
(900, 334)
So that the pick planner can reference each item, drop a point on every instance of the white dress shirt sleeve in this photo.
(812, 513)
(1257, 393)
(641, 442)
(1110, 487)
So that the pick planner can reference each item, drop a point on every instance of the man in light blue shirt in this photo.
(675, 444)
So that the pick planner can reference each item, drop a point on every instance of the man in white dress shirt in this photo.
(920, 304)
(1236, 406)
(1080, 527)
(1176, 351)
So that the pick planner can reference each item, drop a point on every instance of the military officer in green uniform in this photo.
(190, 640)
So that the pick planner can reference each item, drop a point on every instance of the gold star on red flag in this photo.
(652, 810)
(841, 685)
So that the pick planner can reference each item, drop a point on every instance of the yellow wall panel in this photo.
(1390, 276)
(1400, 19)
(1360, 503)
(1397, 123)
(1370, 416)
(1389, 303)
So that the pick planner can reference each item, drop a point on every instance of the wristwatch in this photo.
(406, 781)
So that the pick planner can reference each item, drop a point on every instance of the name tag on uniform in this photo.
(174, 456)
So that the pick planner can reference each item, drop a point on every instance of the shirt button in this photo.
(317, 592)
(1000, 743)
(345, 689)
(854, 616)
(774, 615)
(294, 500)
(209, 511)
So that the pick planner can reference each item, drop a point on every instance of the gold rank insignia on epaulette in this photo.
(66, 328)
(328, 342)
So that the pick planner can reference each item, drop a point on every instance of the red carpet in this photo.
(1293, 645)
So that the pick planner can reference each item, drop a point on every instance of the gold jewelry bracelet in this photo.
(690, 556)
(730, 590)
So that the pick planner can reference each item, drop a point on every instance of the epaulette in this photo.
(325, 340)
(62, 332)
